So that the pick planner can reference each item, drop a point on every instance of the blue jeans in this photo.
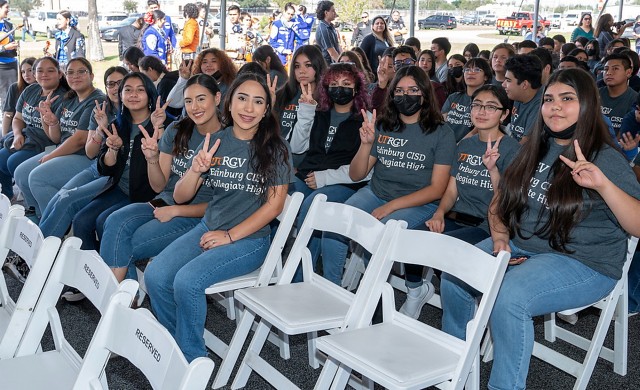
(88, 223)
(24, 35)
(634, 284)
(544, 283)
(177, 277)
(335, 247)
(133, 233)
(72, 197)
(9, 161)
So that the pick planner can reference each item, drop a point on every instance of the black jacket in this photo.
(165, 86)
(128, 36)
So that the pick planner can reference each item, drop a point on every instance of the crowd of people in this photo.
(528, 148)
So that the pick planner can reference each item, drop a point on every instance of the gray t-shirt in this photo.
(597, 240)
(524, 115)
(12, 99)
(76, 115)
(236, 189)
(289, 116)
(472, 177)
(405, 159)
(336, 119)
(180, 164)
(30, 98)
(616, 108)
(124, 179)
(458, 110)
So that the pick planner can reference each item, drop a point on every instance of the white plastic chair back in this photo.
(137, 336)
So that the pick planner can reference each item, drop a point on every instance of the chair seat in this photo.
(296, 308)
(244, 281)
(394, 356)
(5, 317)
(46, 370)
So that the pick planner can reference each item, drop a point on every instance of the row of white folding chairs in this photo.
(135, 335)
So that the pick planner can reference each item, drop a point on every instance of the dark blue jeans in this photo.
(89, 222)
(9, 161)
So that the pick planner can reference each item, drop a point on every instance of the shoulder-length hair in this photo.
(365, 61)
(432, 55)
(564, 197)
(225, 65)
(430, 116)
(71, 93)
(123, 118)
(386, 34)
(267, 148)
(265, 51)
(22, 83)
(63, 80)
(451, 84)
(109, 72)
(603, 25)
(289, 90)
(353, 57)
(361, 99)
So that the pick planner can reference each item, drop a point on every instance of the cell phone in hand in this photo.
(157, 203)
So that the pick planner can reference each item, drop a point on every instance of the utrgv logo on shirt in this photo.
(231, 162)
(469, 159)
(458, 107)
(393, 141)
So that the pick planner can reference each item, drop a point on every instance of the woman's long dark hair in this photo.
(289, 90)
(564, 197)
(185, 126)
(603, 25)
(63, 80)
(109, 72)
(71, 93)
(22, 83)
(267, 147)
(123, 118)
(365, 61)
(451, 84)
(432, 55)
(430, 116)
(265, 51)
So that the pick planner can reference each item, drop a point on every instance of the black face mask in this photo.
(591, 52)
(456, 71)
(407, 104)
(564, 134)
(216, 75)
(341, 95)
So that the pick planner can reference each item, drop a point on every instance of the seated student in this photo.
(329, 137)
(581, 55)
(567, 185)
(597, 69)
(394, 59)
(29, 137)
(526, 46)
(470, 51)
(581, 42)
(233, 237)
(411, 148)
(162, 78)
(413, 43)
(523, 80)
(142, 230)
(441, 47)
(634, 80)
(566, 49)
(593, 51)
(547, 63)
(499, 56)
(131, 57)
(350, 56)
(455, 76)
(270, 61)
(365, 62)
(26, 77)
(616, 97)
(457, 109)
(41, 176)
(426, 61)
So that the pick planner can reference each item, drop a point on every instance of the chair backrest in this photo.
(273, 261)
(24, 237)
(78, 268)
(137, 336)
(339, 218)
(478, 269)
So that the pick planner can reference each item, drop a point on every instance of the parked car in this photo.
(111, 33)
(628, 32)
(520, 23)
(44, 22)
(111, 19)
(489, 20)
(556, 20)
(438, 21)
(470, 19)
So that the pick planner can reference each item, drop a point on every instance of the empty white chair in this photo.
(400, 352)
(137, 336)
(19, 234)
(77, 268)
(308, 307)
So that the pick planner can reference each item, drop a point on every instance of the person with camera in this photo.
(604, 32)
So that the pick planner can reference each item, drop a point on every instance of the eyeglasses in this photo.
(472, 70)
(408, 91)
(408, 61)
(81, 72)
(111, 84)
(489, 109)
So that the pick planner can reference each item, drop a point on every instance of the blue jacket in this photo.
(284, 40)
(154, 47)
(302, 28)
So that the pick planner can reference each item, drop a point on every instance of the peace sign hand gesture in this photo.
(100, 114)
(159, 115)
(150, 144)
(44, 108)
(273, 86)
(367, 130)
(491, 156)
(114, 142)
(585, 173)
(306, 95)
(185, 69)
(202, 161)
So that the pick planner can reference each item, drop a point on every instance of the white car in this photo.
(44, 22)
(109, 19)
(556, 20)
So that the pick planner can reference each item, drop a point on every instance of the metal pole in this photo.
(412, 17)
(204, 25)
(536, 10)
(223, 23)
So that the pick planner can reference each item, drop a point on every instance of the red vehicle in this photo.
(519, 23)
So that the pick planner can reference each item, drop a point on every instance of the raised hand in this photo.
(150, 144)
(491, 156)
(585, 173)
(185, 69)
(306, 95)
(202, 161)
(273, 86)
(159, 115)
(44, 108)
(629, 142)
(367, 130)
(100, 114)
(114, 142)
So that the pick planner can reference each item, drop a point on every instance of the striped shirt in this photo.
(326, 37)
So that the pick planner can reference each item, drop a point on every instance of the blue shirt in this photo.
(326, 37)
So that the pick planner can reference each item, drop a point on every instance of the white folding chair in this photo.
(269, 273)
(313, 305)
(614, 306)
(137, 336)
(77, 268)
(24, 237)
(400, 352)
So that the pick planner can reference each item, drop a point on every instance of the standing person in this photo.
(564, 209)
(8, 54)
(605, 34)
(377, 42)
(281, 35)
(303, 25)
(363, 28)
(326, 35)
(69, 40)
(26, 28)
(25, 78)
(397, 28)
(208, 28)
(233, 237)
(235, 36)
(129, 36)
(584, 29)
(167, 28)
(154, 39)
(191, 33)
(441, 48)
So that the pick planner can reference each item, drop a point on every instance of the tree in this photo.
(130, 6)
(25, 5)
(349, 10)
(94, 43)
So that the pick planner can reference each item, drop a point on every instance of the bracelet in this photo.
(52, 124)
(153, 162)
(229, 236)
(93, 139)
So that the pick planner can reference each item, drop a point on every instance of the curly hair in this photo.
(361, 99)
(225, 65)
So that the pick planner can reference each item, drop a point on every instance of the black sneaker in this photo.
(31, 211)
(16, 267)
(73, 295)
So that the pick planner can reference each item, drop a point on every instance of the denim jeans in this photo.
(9, 161)
(634, 284)
(177, 277)
(72, 197)
(88, 223)
(133, 233)
(335, 247)
(544, 283)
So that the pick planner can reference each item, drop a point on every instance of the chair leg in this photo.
(257, 342)
(327, 374)
(283, 345)
(621, 334)
(550, 327)
(312, 350)
(233, 352)
(341, 378)
(473, 380)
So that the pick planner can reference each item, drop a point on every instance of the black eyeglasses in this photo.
(489, 109)
(407, 61)
(111, 84)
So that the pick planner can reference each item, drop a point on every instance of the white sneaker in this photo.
(571, 318)
(73, 295)
(416, 299)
